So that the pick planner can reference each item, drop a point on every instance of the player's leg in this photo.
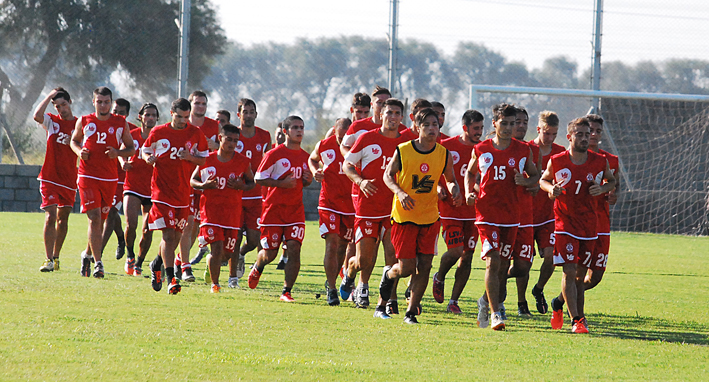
(182, 262)
(453, 236)
(392, 304)
(232, 242)
(419, 282)
(146, 240)
(95, 232)
(462, 274)
(132, 210)
(597, 267)
(50, 237)
(331, 261)
(61, 231)
(545, 239)
(170, 241)
(214, 261)
(293, 264)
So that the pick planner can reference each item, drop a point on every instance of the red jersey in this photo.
(170, 183)
(277, 164)
(603, 211)
(360, 127)
(460, 153)
(575, 208)
(138, 178)
(98, 137)
(525, 199)
(543, 206)
(210, 128)
(222, 206)
(498, 203)
(60, 160)
(370, 154)
(335, 192)
(253, 148)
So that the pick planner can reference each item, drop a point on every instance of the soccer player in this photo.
(441, 111)
(361, 105)
(173, 149)
(359, 127)
(223, 117)
(335, 207)
(284, 170)
(543, 215)
(113, 223)
(278, 134)
(253, 143)
(522, 252)
(96, 140)
(416, 106)
(574, 178)
(364, 165)
(458, 222)
(223, 177)
(136, 192)
(500, 161)
(416, 167)
(57, 179)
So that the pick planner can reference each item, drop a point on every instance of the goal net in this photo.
(662, 142)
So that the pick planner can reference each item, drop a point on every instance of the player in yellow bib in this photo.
(413, 175)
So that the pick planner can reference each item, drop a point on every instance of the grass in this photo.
(648, 318)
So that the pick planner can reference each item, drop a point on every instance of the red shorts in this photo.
(250, 213)
(209, 234)
(163, 216)
(55, 195)
(411, 239)
(375, 228)
(524, 244)
(458, 233)
(495, 238)
(544, 236)
(332, 222)
(571, 250)
(598, 260)
(118, 197)
(194, 207)
(96, 194)
(272, 236)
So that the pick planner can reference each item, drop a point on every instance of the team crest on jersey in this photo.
(569, 247)
(332, 218)
(105, 209)
(511, 162)
(456, 157)
(589, 177)
(424, 167)
(368, 223)
(208, 173)
(563, 176)
(494, 235)
(89, 130)
(54, 128)
(239, 147)
(188, 146)
(170, 214)
(232, 176)
(275, 236)
(258, 147)
(286, 164)
(375, 151)
(484, 162)
(111, 130)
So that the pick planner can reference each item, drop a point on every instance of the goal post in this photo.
(661, 140)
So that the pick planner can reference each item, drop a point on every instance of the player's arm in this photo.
(451, 182)
(127, 149)
(471, 193)
(212, 144)
(148, 153)
(245, 182)
(613, 194)
(546, 182)
(197, 184)
(77, 141)
(390, 172)
(42, 108)
(532, 172)
(365, 185)
(606, 187)
(314, 163)
(329, 133)
(187, 156)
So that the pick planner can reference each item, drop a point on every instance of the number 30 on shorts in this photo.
(298, 232)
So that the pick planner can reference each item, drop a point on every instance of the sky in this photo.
(527, 31)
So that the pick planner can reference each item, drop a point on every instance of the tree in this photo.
(88, 41)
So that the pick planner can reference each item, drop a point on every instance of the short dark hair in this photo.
(229, 128)
(344, 122)
(424, 113)
(198, 93)
(438, 105)
(521, 109)
(289, 121)
(225, 113)
(245, 102)
(104, 91)
(595, 118)
(361, 99)
(471, 116)
(394, 102)
(61, 93)
(181, 104)
(581, 121)
(124, 103)
(380, 90)
(418, 104)
(503, 110)
(149, 105)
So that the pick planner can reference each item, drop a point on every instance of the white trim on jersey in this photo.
(336, 211)
(220, 226)
(499, 225)
(56, 184)
(170, 205)
(545, 223)
(99, 179)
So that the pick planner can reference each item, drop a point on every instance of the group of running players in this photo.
(197, 178)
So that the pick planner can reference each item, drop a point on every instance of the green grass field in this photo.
(649, 320)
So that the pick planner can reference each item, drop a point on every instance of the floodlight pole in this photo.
(597, 33)
(393, 45)
(183, 65)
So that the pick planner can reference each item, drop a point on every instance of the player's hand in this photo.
(127, 165)
(457, 197)
(210, 184)
(367, 187)
(307, 176)
(53, 93)
(442, 192)
(612, 197)
(288, 181)
(534, 190)
(519, 178)
(212, 145)
(594, 189)
(319, 175)
(557, 190)
(151, 160)
(111, 152)
(84, 154)
(182, 154)
(406, 201)
(470, 199)
(236, 183)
